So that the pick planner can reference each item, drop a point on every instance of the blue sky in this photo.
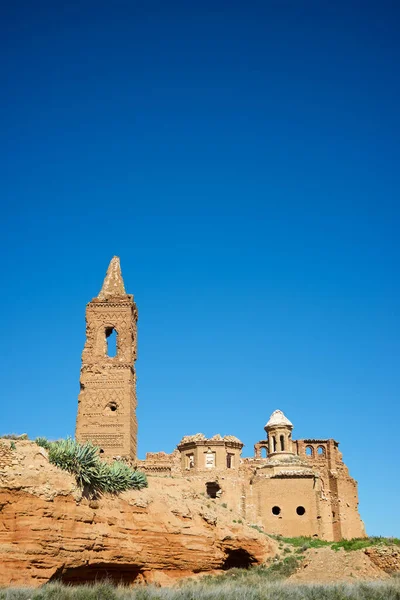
(243, 161)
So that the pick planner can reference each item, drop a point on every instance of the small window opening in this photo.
(300, 510)
(230, 460)
(274, 443)
(111, 338)
(189, 461)
(213, 489)
(309, 451)
(113, 406)
(321, 451)
(276, 510)
(282, 440)
(101, 451)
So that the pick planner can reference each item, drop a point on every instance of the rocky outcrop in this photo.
(49, 531)
(386, 558)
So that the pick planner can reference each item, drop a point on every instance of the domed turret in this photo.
(279, 432)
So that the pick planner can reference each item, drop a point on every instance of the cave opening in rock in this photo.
(114, 573)
(238, 559)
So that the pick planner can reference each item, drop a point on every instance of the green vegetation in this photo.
(260, 574)
(236, 588)
(357, 544)
(14, 436)
(93, 475)
(303, 543)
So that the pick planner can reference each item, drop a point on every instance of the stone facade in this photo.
(107, 400)
(290, 487)
(199, 454)
(301, 488)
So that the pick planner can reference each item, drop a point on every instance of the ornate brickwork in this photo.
(291, 487)
(107, 400)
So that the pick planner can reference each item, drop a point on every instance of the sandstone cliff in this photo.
(48, 531)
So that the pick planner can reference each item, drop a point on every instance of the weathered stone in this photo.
(386, 558)
(139, 536)
(107, 400)
(113, 284)
(289, 492)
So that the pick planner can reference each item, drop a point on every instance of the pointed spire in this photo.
(113, 284)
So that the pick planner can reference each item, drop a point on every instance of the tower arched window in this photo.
(111, 339)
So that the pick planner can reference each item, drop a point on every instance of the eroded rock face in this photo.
(48, 531)
(386, 558)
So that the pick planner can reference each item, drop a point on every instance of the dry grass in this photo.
(260, 589)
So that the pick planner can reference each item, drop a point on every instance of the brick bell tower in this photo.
(107, 400)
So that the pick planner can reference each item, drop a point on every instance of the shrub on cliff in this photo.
(92, 474)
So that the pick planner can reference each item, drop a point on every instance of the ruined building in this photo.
(107, 400)
(290, 487)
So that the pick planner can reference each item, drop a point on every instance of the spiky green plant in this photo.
(81, 460)
(43, 442)
(118, 477)
(92, 474)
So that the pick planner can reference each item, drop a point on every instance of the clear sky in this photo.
(242, 158)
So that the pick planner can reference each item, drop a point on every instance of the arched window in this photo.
(274, 443)
(309, 451)
(111, 339)
(282, 440)
(321, 451)
(264, 452)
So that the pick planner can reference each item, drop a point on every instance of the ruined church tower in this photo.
(107, 400)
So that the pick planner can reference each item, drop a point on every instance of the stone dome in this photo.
(278, 418)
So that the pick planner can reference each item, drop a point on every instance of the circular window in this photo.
(300, 510)
(276, 510)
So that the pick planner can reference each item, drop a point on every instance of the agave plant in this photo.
(91, 473)
(138, 480)
(43, 442)
(118, 477)
(81, 460)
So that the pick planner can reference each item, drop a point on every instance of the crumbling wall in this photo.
(6, 454)
(340, 494)
(107, 399)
